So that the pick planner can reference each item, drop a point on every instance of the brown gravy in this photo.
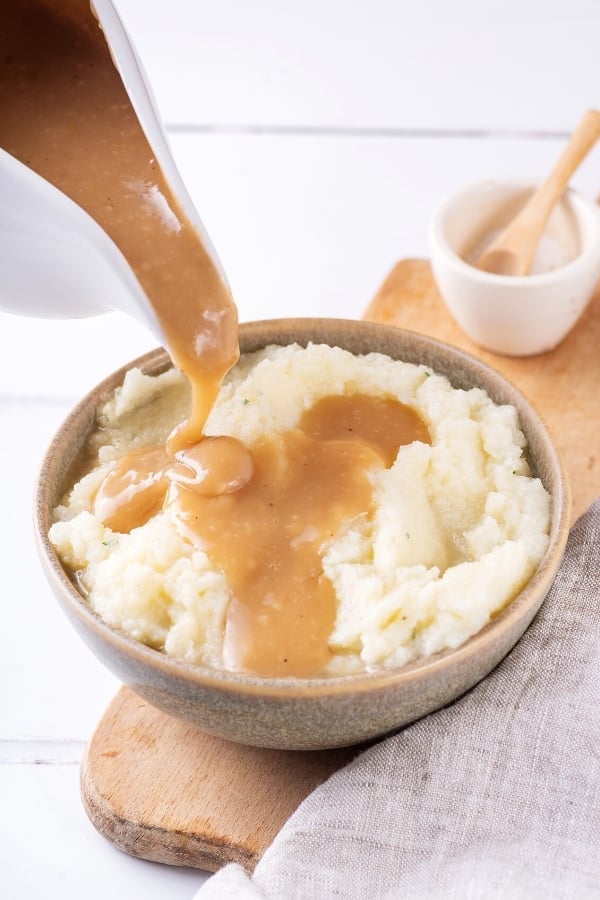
(262, 515)
(65, 113)
(267, 530)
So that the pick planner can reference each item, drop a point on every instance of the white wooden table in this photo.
(316, 139)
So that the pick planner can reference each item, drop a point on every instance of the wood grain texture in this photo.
(563, 385)
(161, 789)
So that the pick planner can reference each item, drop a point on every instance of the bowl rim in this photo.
(584, 206)
(312, 330)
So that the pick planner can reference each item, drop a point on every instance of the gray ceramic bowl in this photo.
(320, 712)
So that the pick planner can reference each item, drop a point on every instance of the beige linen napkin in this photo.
(496, 796)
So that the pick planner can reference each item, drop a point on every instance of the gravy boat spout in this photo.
(56, 261)
(140, 94)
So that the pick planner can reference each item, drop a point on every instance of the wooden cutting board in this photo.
(162, 790)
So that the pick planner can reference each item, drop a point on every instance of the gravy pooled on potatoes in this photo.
(391, 549)
(266, 534)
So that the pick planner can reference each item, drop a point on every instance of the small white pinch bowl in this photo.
(514, 315)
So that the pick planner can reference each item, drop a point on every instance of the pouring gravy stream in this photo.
(261, 514)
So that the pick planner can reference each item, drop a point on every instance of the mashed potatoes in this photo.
(457, 527)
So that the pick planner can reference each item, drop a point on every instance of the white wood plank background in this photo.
(316, 139)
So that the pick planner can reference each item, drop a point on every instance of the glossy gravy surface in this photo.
(267, 533)
(262, 514)
(65, 113)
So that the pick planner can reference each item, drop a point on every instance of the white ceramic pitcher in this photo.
(55, 260)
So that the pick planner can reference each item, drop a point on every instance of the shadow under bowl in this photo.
(313, 713)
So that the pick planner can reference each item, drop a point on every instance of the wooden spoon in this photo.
(513, 250)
